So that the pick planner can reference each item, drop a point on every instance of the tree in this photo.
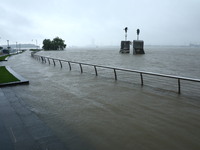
(56, 44)
(47, 44)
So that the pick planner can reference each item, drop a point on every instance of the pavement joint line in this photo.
(13, 136)
(16, 134)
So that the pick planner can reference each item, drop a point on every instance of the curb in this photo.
(22, 79)
(6, 59)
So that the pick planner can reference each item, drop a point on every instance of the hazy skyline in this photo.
(100, 22)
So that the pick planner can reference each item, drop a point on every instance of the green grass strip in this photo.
(2, 58)
(6, 76)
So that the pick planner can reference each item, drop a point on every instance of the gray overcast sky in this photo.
(83, 22)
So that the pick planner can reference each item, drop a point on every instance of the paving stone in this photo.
(21, 129)
(5, 141)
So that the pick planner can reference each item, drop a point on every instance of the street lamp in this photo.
(138, 32)
(126, 29)
(16, 47)
(36, 44)
(8, 44)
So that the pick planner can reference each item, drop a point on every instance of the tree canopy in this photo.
(56, 44)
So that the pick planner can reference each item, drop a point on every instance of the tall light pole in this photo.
(36, 44)
(138, 32)
(16, 47)
(126, 29)
(19, 47)
(8, 44)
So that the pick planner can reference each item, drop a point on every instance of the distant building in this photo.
(194, 45)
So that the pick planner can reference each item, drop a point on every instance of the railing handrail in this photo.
(127, 70)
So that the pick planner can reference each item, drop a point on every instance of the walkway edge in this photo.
(22, 79)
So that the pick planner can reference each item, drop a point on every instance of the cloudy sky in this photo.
(100, 22)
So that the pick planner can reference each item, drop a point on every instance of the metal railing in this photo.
(141, 73)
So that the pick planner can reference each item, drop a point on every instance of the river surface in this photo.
(91, 112)
(181, 61)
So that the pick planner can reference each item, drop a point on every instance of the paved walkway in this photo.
(20, 128)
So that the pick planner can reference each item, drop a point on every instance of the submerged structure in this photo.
(138, 45)
(125, 45)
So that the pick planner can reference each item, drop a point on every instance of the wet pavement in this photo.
(20, 128)
(88, 112)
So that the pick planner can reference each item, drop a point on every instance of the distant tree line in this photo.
(56, 44)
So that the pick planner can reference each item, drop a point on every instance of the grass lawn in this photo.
(2, 58)
(6, 76)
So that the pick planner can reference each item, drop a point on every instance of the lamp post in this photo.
(126, 29)
(36, 44)
(19, 47)
(138, 32)
(16, 48)
(8, 44)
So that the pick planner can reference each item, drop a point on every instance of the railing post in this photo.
(115, 74)
(54, 62)
(179, 86)
(142, 82)
(43, 59)
(48, 61)
(70, 67)
(81, 68)
(96, 70)
(60, 63)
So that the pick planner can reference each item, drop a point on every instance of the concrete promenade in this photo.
(20, 128)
